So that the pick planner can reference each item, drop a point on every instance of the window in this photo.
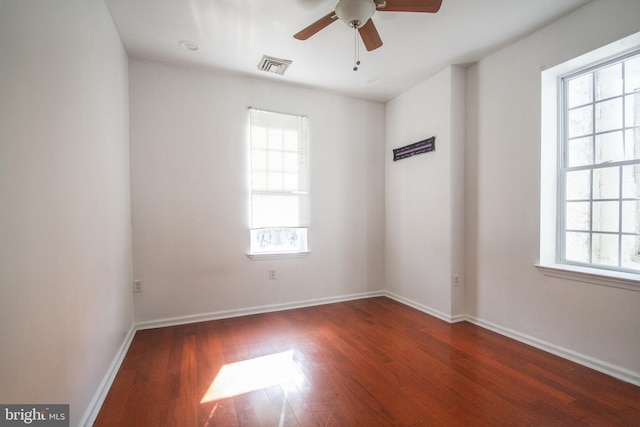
(599, 183)
(279, 178)
(590, 167)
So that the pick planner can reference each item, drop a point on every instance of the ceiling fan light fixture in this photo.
(355, 13)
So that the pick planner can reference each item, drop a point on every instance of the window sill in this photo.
(616, 279)
(277, 255)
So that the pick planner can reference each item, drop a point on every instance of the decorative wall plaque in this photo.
(415, 148)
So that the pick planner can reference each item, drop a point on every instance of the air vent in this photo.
(273, 65)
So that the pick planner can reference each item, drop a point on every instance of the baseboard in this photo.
(425, 309)
(581, 359)
(91, 413)
(226, 314)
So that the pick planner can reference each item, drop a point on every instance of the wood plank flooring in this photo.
(371, 362)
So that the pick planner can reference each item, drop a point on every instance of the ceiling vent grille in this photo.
(273, 65)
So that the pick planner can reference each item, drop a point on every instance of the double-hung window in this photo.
(598, 158)
(279, 182)
(590, 167)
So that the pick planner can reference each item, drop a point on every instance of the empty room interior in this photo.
(465, 189)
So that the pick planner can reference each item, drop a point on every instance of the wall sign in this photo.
(415, 148)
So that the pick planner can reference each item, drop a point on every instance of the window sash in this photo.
(591, 227)
(279, 181)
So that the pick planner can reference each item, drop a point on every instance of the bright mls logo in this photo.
(36, 415)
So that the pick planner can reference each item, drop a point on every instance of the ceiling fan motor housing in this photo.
(355, 13)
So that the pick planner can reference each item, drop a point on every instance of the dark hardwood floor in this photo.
(372, 362)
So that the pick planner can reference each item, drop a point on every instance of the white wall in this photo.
(424, 199)
(504, 290)
(65, 257)
(189, 192)
(65, 227)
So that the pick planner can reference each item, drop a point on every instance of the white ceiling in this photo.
(234, 34)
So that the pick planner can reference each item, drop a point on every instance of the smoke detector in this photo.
(273, 65)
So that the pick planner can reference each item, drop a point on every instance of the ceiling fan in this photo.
(357, 14)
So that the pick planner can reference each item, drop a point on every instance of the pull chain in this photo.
(356, 50)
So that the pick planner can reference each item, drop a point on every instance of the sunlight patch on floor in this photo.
(249, 375)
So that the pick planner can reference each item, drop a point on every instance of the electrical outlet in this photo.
(272, 275)
(137, 286)
(456, 280)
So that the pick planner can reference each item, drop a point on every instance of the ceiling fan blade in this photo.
(425, 6)
(370, 36)
(316, 26)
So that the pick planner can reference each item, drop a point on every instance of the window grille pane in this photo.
(631, 252)
(578, 216)
(577, 247)
(259, 160)
(258, 180)
(609, 82)
(274, 160)
(579, 185)
(609, 115)
(581, 121)
(631, 182)
(274, 141)
(258, 137)
(632, 75)
(632, 109)
(605, 249)
(290, 162)
(632, 144)
(631, 216)
(580, 91)
(605, 216)
(580, 151)
(609, 147)
(290, 181)
(606, 183)
(274, 181)
(290, 141)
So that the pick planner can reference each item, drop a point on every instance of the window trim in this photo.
(550, 155)
(269, 256)
(596, 276)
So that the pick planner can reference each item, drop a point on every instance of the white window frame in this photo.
(551, 194)
(280, 228)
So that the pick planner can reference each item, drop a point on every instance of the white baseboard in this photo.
(581, 359)
(227, 314)
(425, 309)
(91, 413)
